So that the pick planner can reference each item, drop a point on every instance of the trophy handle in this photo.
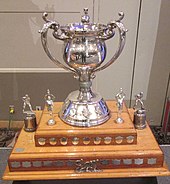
(122, 37)
(55, 26)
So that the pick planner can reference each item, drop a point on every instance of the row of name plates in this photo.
(62, 151)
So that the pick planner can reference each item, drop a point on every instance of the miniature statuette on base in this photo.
(120, 100)
(140, 113)
(49, 101)
(30, 123)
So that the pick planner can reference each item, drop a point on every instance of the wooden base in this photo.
(30, 162)
(69, 174)
(26, 157)
(108, 133)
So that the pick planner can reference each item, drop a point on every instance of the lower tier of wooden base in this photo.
(70, 174)
(26, 157)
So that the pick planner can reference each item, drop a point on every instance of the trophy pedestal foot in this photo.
(84, 113)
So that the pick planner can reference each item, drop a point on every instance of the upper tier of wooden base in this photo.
(109, 133)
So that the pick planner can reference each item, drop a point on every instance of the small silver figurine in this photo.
(120, 100)
(140, 112)
(138, 99)
(30, 123)
(49, 101)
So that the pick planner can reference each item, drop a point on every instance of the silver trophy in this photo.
(30, 123)
(84, 53)
(120, 100)
(140, 112)
(49, 101)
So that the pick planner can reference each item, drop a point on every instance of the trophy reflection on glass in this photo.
(49, 101)
(84, 54)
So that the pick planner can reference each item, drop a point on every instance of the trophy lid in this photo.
(85, 27)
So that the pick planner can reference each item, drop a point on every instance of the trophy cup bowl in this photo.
(84, 53)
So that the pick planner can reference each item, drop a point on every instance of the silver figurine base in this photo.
(84, 113)
(119, 120)
(51, 122)
(30, 123)
(140, 119)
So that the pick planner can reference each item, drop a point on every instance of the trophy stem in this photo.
(85, 92)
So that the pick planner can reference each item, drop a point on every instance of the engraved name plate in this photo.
(139, 161)
(15, 164)
(130, 139)
(116, 162)
(47, 163)
(26, 164)
(104, 162)
(127, 161)
(152, 161)
(37, 164)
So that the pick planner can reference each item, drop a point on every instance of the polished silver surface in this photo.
(53, 141)
(30, 123)
(130, 139)
(120, 100)
(49, 102)
(63, 141)
(118, 139)
(107, 140)
(86, 114)
(97, 140)
(75, 140)
(41, 141)
(86, 140)
(84, 54)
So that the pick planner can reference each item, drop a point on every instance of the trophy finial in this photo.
(85, 18)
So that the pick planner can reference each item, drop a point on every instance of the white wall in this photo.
(21, 50)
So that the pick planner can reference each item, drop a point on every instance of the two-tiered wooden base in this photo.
(66, 152)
